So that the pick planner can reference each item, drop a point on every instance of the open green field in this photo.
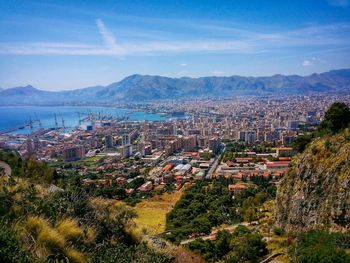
(151, 213)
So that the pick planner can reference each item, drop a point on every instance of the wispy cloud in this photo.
(183, 65)
(256, 42)
(109, 39)
(312, 61)
(48, 48)
(307, 63)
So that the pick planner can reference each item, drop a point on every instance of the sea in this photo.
(13, 116)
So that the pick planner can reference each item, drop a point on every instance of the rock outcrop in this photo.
(315, 194)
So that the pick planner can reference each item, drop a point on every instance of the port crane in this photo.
(56, 123)
(38, 120)
(63, 126)
(31, 124)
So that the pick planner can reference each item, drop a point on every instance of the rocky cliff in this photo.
(316, 192)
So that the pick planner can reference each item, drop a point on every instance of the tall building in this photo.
(125, 139)
(214, 144)
(109, 141)
(142, 148)
(73, 153)
(133, 135)
(248, 136)
(272, 136)
(190, 143)
(126, 151)
(174, 128)
(293, 125)
(202, 142)
(148, 150)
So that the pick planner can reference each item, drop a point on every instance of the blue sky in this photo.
(56, 45)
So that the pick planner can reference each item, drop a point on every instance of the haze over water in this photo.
(13, 116)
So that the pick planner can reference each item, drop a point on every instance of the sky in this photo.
(60, 45)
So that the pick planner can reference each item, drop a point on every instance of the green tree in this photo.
(336, 118)
(300, 143)
(249, 247)
(250, 214)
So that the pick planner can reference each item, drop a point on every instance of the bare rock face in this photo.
(315, 194)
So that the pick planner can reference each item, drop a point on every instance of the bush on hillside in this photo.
(336, 118)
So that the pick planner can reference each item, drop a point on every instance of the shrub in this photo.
(241, 246)
(328, 145)
(321, 247)
(337, 117)
(300, 143)
(278, 231)
(11, 250)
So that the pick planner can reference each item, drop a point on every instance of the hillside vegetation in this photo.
(315, 194)
(40, 223)
(313, 199)
(316, 191)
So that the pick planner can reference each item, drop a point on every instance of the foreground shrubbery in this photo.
(35, 170)
(10, 248)
(205, 205)
(242, 245)
(321, 247)
(67, 225)
(122, 253)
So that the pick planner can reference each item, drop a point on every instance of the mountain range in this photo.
(137, 88)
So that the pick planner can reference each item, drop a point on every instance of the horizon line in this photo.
(183, 77)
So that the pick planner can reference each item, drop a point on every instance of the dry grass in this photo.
(36, 223)
(75, 256)
(282, 259)
(90, 235)
(69, 228)
(46, 238)
(151, 213)
(49, 239)
(101, 204)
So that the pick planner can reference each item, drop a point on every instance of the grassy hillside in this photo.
(151, 213)
(40, 223)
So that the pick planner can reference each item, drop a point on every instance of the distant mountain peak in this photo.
(27, 87)
(139, 87)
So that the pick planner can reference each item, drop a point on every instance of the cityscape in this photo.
(246, 163)
(188, 145)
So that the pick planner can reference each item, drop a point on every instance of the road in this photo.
(214, 232)
(214, 166)
(6, 167)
